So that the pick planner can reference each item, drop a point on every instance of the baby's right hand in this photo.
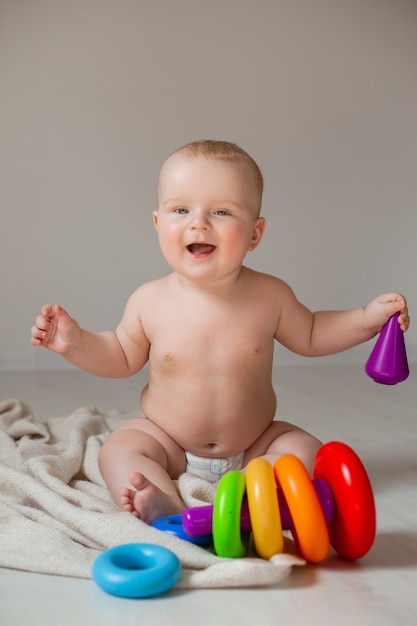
(56, 330)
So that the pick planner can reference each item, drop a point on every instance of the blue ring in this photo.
(173, 525)
(136, 570)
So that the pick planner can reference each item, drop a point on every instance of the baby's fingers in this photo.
(404, 321)
(403, 318)
(41, 331)
(42, 322)
(43, 327)
(38, 336)
(48, 311)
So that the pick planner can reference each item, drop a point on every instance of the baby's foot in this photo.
(148, 502)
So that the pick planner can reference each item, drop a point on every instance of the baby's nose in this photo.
(200, 221)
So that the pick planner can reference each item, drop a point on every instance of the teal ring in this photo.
(136, 570)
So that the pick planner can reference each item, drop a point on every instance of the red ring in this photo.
(352, 532)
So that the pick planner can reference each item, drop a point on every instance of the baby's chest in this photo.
(221, 346)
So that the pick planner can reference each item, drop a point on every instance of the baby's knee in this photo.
(298, 442)
(117, 444)
(125, 441)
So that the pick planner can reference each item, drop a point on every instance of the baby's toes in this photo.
(126, 497)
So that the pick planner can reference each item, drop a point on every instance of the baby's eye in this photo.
(221, 212)
(181, 210)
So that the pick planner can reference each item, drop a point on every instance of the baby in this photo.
(207, 330)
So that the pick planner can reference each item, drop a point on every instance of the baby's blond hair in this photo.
(226, 151)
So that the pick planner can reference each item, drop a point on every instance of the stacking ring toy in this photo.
(136, 570)
(226, 515)
(311, 534)
(335, 508)
(353, 530)
(263, 508)
(172, 524)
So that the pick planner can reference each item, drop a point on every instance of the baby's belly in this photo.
(213, 425)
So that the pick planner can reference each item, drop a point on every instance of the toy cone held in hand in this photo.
(387, 363)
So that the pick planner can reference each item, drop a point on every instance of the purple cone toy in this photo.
(387, 363)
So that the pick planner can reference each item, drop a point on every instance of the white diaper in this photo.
(211, 468)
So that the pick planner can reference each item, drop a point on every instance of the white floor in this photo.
(332, 401)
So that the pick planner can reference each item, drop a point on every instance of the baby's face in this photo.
(207, 216)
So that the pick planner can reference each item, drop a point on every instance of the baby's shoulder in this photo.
(154, 286)
(265, 282)
(147, 293)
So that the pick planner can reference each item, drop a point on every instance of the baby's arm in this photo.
(111, 354)
(327, 332)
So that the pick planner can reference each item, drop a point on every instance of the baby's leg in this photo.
(283, 438)
(141, 454)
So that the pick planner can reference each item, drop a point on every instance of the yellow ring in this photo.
(264, 514)
(311, 533)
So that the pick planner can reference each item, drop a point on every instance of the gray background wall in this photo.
(96, 93)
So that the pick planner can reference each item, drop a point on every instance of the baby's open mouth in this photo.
(200, 248)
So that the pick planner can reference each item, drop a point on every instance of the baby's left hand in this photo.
(379, 311)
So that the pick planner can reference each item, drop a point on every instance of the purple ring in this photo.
(197, 521)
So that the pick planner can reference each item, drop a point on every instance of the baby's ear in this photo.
(258, 231)
(155, 219)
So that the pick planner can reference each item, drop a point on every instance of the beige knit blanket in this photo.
(56, 514)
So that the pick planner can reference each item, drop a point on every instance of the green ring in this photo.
(227, 507)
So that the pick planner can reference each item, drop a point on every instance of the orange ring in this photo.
(264, 513)
(311, 533)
